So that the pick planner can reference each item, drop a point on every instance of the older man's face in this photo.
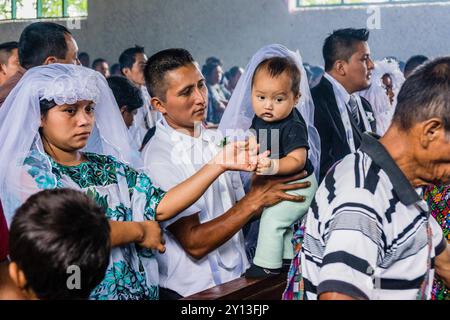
(186, 97)
(435, 157)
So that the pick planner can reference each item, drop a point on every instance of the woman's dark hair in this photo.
(46, 105)
(125, 93)
(54, 232)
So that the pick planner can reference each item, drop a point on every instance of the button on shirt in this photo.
(170, 158)
(367, 231)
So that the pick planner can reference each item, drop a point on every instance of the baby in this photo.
(281, 129)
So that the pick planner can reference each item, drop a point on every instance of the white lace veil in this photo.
(376, 93)
(239, 112)
(20, 118)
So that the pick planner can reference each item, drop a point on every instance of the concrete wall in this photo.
(235, 29)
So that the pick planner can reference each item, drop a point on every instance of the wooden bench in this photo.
(270, 288)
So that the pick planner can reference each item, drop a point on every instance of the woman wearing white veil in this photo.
(273, 245)
(387, 79)
(61, 127)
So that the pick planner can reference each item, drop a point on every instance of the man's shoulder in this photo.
(352, 177)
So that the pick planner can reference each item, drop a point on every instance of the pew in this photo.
(270, 288)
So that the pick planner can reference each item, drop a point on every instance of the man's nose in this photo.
(200, 96)
(370, 64)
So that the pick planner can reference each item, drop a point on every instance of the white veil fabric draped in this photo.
(239, 112)
(376, 93)
(20, 119)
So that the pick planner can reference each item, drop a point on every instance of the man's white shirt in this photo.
(170, 158)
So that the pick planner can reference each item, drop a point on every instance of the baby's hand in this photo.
(265, 166)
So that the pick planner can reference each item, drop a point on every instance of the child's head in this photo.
(59, 245)
(275, 88)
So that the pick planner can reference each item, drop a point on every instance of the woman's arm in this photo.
(147, 234)
(292, 163)
(234, 156)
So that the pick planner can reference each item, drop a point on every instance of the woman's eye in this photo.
(70, 111)
(90, 109)
(260, 98)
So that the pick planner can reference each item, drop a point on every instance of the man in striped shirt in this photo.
(368, 233)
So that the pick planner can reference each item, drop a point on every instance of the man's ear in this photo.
(158, 105)
(126, 71)
(430, 131)
(2, 68)
(340, 67)
(50, 60)
(17, 276)
(297, 99)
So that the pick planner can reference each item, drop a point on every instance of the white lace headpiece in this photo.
(20, 119)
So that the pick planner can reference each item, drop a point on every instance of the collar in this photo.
(403, 188)
(344, 95)
(187, 141)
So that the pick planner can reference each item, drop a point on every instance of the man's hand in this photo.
(268, 191)
(151, 236)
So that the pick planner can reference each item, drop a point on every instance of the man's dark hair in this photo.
(207, 69)
(6, 50)
(115, 69)
(276, 66)
(84, 59)
(98, 62)
(232, 72)
(413, 63)
(159, 64)
(425, 95)
(54, 230)
(128, 57)
(41, 40)
(340, 45)
(126, 93)
(215, 60)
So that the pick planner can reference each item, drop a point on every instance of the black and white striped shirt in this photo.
(366, 231)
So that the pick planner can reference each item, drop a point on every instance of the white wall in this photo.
(235, 29)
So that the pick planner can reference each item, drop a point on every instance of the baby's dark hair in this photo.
(276, 66)
(57, 229)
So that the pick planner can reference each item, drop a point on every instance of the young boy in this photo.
(59, 246)
(281, 129)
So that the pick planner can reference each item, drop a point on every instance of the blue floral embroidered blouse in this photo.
(126, 195)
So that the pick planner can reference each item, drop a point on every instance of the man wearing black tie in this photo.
(341, 116)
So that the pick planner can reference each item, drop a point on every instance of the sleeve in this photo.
(168, 176)
(439, 242)
(294, 136)
(352, 239)
(146, 196)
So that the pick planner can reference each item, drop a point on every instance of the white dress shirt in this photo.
(170, 158)
(342, 100)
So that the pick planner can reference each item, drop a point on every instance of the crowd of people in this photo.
(156, 178)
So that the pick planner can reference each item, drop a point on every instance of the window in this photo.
(331, 3)
(37, 9)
